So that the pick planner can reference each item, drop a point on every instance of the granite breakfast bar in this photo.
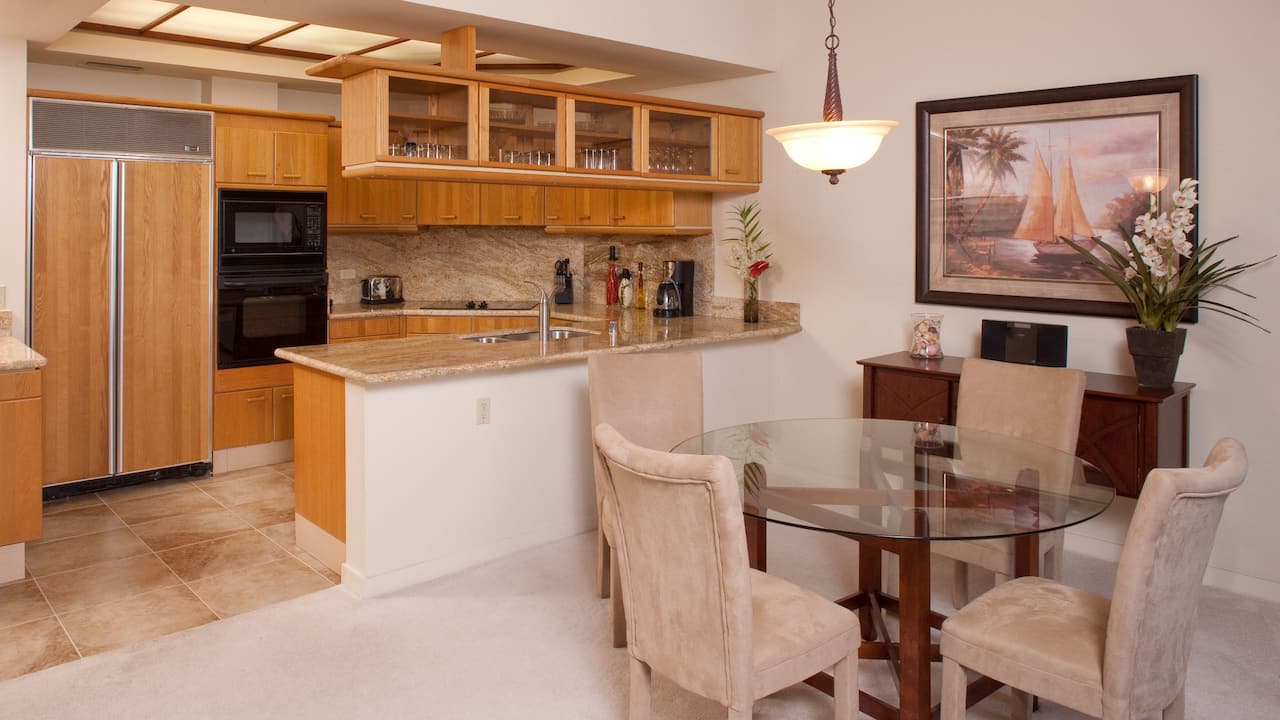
(421, 456)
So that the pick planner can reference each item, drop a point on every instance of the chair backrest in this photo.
(1158, 580)
(1039, 404)
(653, 399)
(683, 556)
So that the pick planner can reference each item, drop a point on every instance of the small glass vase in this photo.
(751, 300)
(926, 335)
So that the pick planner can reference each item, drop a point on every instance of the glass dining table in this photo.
(897, 486)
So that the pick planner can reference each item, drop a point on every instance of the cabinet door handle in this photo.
(553, 217)
(619, 217)
(732, 171)
(368, 216)
(286, 396)
(584, 217)
(448, 217)
(291, 177)
(407, 216)
(511, 217)
(256, 174)
(260, 398)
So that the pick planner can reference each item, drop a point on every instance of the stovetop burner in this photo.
(479, 305)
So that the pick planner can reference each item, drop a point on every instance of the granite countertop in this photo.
(426, 356)
(412, 308)
(15, 356)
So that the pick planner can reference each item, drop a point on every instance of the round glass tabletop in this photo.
(905, 480)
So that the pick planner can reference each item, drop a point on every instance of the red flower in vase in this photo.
(757, 267)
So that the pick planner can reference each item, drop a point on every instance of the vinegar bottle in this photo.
(640, 303)
(611, 280)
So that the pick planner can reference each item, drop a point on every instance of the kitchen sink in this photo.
(555, 334)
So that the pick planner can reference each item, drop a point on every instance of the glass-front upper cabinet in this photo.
(429, 120)
(523, 128)
(679, 143)
(603, 136)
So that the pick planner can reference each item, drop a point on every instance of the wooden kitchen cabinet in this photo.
(282, 413)
(270, 151)
(594, 209)
(22, 450)
(242, 418)
(511, 205)
(301, 158)
(602, 136)
(642, 208)
(244, 156)
(1125, 430)
(252, 405)
(381, 202)
(485, 324)
(738, 145)
(521, 128)
(448, 203)
(437, 325)
(361, 329)
(385, 111)
(678, 143)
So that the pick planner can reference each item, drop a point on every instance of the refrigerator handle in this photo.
(117, 320)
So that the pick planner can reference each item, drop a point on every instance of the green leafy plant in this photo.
(750, 254)
(1161, 275)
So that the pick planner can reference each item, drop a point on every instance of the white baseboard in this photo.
(251, 456)
(1228, 580)
(324, 547)
(13, 562)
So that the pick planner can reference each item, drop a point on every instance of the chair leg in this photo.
(1020, 705)
(641, 684)
(954, 690)
(846, 675)
(959, 584)
(1177, 709)
(617, 610)
(602, 564)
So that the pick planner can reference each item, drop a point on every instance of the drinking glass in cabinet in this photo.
(523, 127)
(679, 143)
(427, 119)
(603, 135)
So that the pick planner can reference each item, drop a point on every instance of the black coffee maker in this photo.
(675, 293)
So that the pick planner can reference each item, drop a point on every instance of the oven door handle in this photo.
(275, 282)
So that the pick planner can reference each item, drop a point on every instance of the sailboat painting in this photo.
(1012, 192)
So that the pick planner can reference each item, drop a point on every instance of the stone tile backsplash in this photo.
(493, 263)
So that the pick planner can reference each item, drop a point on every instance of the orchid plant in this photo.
(1160, 272)
(750, 254)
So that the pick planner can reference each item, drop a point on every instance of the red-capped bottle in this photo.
(611, 280)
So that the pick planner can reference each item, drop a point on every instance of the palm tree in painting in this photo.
(958, 142)
(996, 152)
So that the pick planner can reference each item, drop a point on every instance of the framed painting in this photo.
(1000, 179)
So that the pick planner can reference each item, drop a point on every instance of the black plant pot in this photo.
(1155, 355)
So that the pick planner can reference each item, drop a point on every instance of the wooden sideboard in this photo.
(1124, 430)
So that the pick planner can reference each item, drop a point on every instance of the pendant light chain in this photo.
(831, 108)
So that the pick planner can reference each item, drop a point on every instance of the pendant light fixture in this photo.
(835, 144)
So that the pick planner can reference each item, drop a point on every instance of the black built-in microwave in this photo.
(271, 228)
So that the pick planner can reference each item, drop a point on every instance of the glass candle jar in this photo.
(926, 335)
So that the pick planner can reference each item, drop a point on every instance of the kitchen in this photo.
(836, 274)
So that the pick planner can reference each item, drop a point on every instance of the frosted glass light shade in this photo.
(1148, 180)
(833, 145)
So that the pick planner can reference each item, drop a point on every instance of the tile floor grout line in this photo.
(293, 555)
(58, 617)
(191, 590)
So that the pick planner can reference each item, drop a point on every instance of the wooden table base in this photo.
(914, 651)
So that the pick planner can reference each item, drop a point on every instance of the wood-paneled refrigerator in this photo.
(120, 295)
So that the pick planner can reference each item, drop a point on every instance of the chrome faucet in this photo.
(544, 313)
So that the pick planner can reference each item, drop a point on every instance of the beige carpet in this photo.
(525, 638)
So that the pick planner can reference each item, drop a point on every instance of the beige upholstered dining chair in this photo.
(696, 613)
(1124, 659)
(654, 399)
(1039, 404)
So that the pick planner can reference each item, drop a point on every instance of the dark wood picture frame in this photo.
(1179, 98)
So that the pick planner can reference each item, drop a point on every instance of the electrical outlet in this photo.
(347, 274)
(482, 411)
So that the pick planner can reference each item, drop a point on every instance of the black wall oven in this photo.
(272, 284)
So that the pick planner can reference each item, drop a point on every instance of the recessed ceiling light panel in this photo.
(410, 51)
(130, 13)
(222, 25)
(327, 40)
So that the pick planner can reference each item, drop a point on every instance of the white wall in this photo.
(69, 78)
(13, 179)
(733, 31)
(846, 253)
(308, 101)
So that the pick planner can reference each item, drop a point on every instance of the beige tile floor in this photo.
(118, 567)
